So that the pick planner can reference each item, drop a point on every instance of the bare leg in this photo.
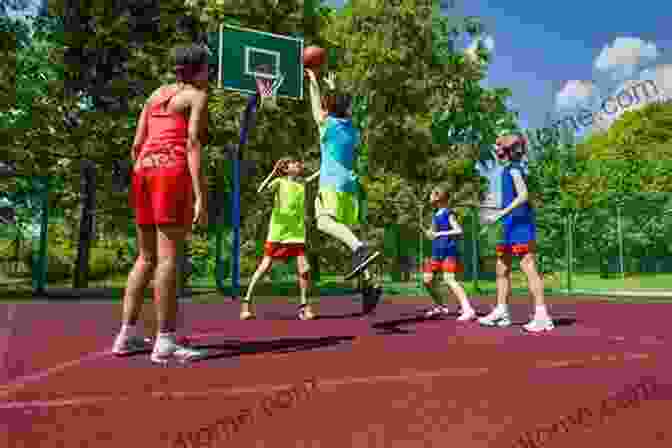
(141, 274)
(303, 269)
(503, 280)
(536, 283)
(170, 239)
(130, 340)
(500, 315)
(428, 281)
(458, 290)
(541, 320)
(264, 266)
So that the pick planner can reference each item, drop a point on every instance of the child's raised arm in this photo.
(270, 176)
(319, 114)
(313, 176)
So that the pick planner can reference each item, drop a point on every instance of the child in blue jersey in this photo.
(519, 238)
(337, 206)
(445, 258)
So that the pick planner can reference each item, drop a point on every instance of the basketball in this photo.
(314, 57)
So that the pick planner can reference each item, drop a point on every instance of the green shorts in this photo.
(342, 206)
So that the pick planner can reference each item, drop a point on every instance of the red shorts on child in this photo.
(284, 250)
(448, 264)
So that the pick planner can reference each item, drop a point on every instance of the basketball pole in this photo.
(246, 123)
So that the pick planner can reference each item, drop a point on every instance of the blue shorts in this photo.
(518, 237)
(439, 253)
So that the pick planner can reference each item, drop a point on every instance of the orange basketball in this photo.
(314, 57)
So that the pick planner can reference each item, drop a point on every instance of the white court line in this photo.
(21, 382)
(323, 385)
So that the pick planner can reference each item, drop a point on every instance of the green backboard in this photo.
(240, 54)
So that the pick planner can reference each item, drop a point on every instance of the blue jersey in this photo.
(338, 141)
(522, 212)
(443, 246)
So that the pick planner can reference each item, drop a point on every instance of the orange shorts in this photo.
(448, 264)
(282, 250)
(517, 249)
(162, 195)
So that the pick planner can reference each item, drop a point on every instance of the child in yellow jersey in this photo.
(286, 232)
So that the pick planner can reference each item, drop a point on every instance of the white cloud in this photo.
(662, 77)
(625, 55)
(575, 94)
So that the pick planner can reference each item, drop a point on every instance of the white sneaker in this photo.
(181, 353)
(538, 325)
(437, 311)
(128, 345)
(496, 319)
(467, 315)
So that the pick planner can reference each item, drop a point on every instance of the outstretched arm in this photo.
(319, 114)
(270, 176)
(313, 176)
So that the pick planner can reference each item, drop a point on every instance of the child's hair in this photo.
(338, 104)
(443, 191)
(284, 164)
(189, 60)
(516, 147)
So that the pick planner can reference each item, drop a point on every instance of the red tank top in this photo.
(166, 131)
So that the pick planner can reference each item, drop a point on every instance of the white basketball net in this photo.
(268, 89)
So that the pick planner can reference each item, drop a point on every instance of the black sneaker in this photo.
(360, 260)
(370, 298)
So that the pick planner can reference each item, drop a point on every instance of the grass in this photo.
(333, 285)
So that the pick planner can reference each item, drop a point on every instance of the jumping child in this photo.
(445, 258)
(519, 238)
(336, 207)
(286, 232)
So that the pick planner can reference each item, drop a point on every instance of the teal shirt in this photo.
(338, 143)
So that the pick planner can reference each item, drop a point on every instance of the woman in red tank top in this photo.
(167, 196)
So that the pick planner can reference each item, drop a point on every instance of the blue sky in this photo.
(540, 45)
(543, 48)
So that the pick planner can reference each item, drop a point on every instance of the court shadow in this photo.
(559, 322)
(276, 346)
(392, 326)
(564, 321)
(278, 316)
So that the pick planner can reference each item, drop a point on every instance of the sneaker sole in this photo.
(370, 303)
(358, 270)
(542, 330)
(497, 323)
(131, 352)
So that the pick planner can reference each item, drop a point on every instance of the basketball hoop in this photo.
(268, 90)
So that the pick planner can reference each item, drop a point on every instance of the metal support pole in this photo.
(620, 240)
(88, 192)
(247, 122)
(474, 255)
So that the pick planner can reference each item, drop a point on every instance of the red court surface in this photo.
(387, 380)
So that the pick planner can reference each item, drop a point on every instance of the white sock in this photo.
(164, 340)
(358, 245)
(129, 331)
(466, 306)
(501, 309)
(540, 312)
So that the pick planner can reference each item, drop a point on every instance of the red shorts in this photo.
(163, 195)
(281, 250)
(517, 249)
(448, 264)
